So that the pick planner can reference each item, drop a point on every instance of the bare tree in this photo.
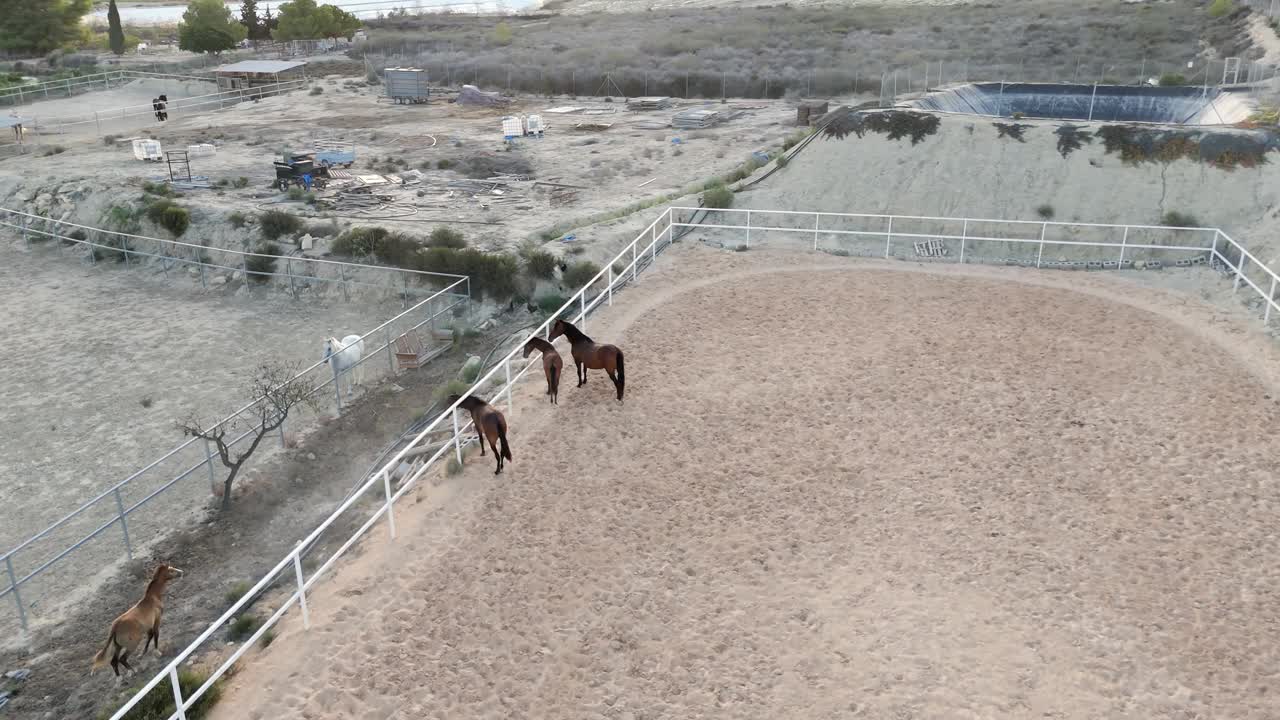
(274, 397)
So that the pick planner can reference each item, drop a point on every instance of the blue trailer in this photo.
(333, 153)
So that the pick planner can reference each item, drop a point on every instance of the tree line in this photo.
(37, 27)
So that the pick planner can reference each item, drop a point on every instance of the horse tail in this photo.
(553, 378)
(101, 658)
(622, 376)
(502, 440)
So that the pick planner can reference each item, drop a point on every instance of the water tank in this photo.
(406, 85)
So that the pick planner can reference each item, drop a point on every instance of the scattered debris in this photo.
(649, 103)
(592, 126)
(565, 110)
(696, 119)
(472, 95)
(646, 182)
(808, 112)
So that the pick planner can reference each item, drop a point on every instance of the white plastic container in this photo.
(148, 150)
(201, 150)
(533, 124)
(511, 128)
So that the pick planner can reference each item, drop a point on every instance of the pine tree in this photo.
(249, 19)
(115, 33)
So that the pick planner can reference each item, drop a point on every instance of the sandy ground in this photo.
(120, 110)
(608, 166)
(93, 344)
(936, 492)
(966, 169)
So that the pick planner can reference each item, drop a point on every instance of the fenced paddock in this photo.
(98, 344)
(829, 488)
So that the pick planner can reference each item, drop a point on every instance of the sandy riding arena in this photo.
(836, 489)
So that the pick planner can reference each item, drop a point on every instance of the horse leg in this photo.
(115, 661)
(155, 634)
(151, 635)
(124, 660)
(612, 377)
(582, 372)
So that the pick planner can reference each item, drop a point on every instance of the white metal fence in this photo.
(100, 123)
(823, 230)
(27, 565)
(298, 273)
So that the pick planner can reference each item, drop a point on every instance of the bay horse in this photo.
(142, 618)
(587, 355)
(490, 424)
(344, 357)
(552, 365)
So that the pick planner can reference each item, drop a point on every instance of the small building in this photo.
(250, 74)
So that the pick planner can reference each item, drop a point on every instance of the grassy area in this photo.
(779, 51)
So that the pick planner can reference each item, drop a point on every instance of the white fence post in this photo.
(609, 288)
(1044, 227)
(391, 358)
(1239, 270)
(13, 588)
(1271, 297)
(816, 217)
(748, 228)
(391, 516)
(635, 262)
(510, 403)
(337, 385)
(457, 437)
(177, 693)
(964, 235)
(888, 238)
(1124, 240)
(582, 303)
(124, 524)
(302, 592)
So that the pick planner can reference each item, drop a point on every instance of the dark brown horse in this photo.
(552, 365)
(490, 424)
(141, 620)
(587, 355)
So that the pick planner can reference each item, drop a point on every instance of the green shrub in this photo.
(446, 237)
(158, 704)
(275, 224)
(296, 194)
(493, 275)
(240, 182)
(453, 387)
(540, 264)
(243, 626)
(379, 243)
(444, 164)
(237, 591)
(717, 197)
(237, 219)
(1220, 8)
(1171, 79)
(782, 161)
(579, 274)
(161, 189)
(1174, 218)
(551, 303)
(261, 266)
(176, 220)
(1045, 211)
(317, 90)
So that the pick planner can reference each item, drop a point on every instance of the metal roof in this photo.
(260, 66)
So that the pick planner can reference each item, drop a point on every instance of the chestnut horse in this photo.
(142, 618)
(489, 424)
(552, 365)
(587, 355)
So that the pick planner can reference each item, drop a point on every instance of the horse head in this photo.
(328, 347)
(528, 347)
(557, 329)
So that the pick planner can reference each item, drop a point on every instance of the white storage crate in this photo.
(145, 149)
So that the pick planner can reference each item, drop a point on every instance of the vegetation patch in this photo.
(1071, 138)
(896, 124)
(1012, 130)
(579, 274)
(158, 703)
(261, 266)
(276, 224)
(1173, 218)
(446, 237)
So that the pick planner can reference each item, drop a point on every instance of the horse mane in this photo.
(157, 580)
(573, 333)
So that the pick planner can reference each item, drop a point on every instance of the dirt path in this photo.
(300, 487)
(859, 492)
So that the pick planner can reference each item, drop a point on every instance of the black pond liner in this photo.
(1110, 103)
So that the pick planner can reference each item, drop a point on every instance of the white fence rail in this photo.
(70, 87)
(116, 507)
(823, 230)
(125, 118)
